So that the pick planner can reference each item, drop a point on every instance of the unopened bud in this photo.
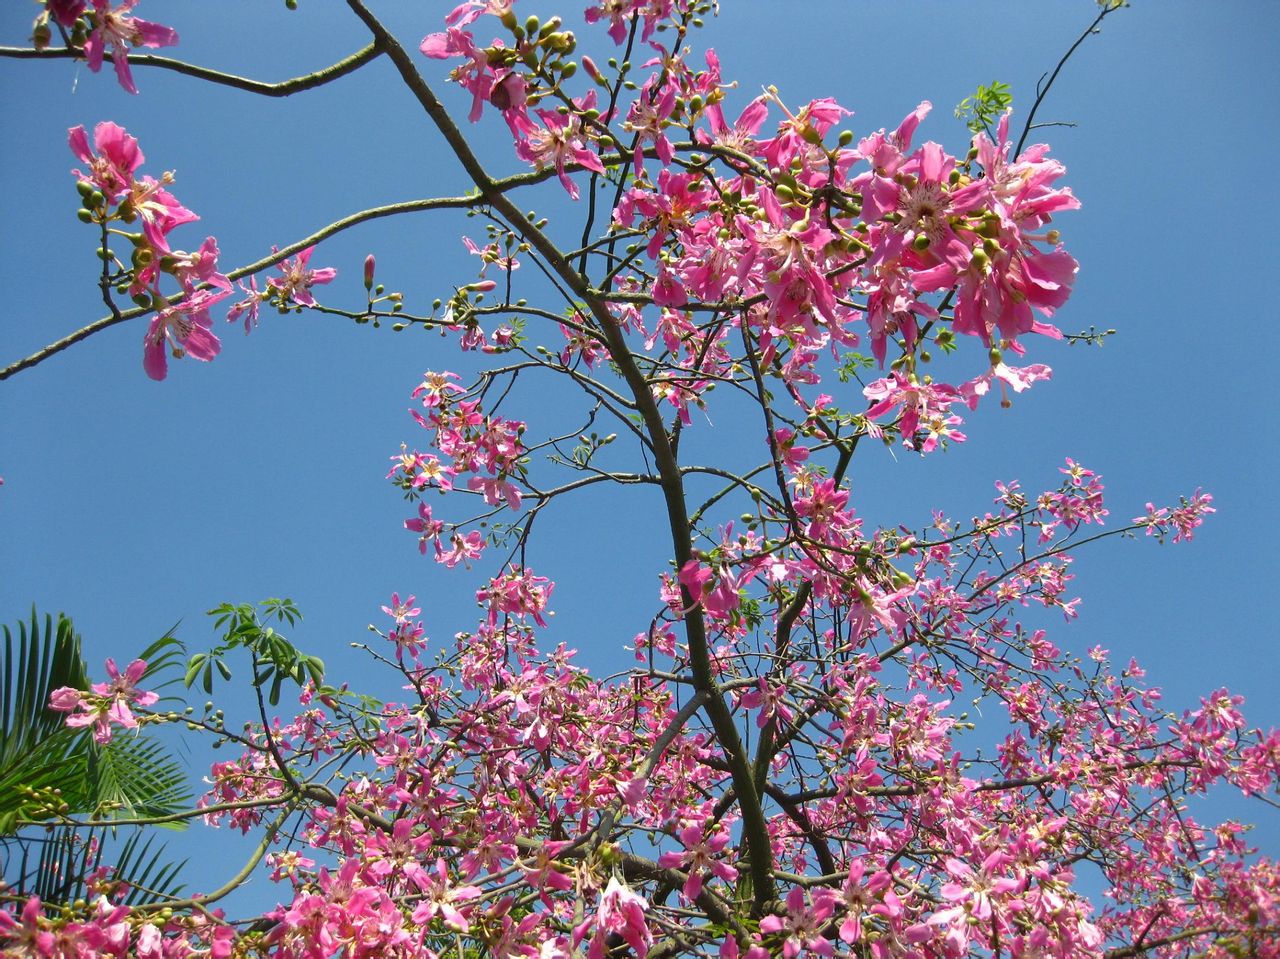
(921, 242)
(592, 70)
(481, 286)
(994, 356)
(369, 264)
(845, 138)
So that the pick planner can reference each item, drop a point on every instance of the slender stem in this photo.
(284, 88)
(1043, 91)
(392, 209)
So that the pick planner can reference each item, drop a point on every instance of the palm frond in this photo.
(137, 776)
(36, 662)
(56, 866)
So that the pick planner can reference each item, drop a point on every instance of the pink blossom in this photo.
(108, 703)
(621, 912)
(117, 158)
(117, 29)
(296, 279)
(184, 329)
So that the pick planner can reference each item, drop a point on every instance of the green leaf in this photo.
(986, 105)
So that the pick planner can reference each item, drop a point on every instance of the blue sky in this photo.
(132, 505)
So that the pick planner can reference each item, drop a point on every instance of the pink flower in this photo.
(248, 307)
(296, 281)
(401, 612)
(621, 911)
(117, 29)
(440, 895)
(108, 703)
(65, 12)
(703, 844)
(558, 143)
(112, 167)
(184, 330)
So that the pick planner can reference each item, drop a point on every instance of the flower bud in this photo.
(994, 356)
(369, 264)
(921, 242)
(41, 35)
(592, 70)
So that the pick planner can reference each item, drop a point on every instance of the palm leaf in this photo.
(55, 866)
(36, 663)
(137, 776)
(130, 776)
(42, 761)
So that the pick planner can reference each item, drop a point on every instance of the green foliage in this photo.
(275, 659)
(50, 772)
(48, 769)
(57, 865)
(851, 364)
(979, 110)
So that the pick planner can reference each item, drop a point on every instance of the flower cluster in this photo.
(112, 192)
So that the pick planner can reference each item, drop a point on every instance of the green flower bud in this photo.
(921, 242)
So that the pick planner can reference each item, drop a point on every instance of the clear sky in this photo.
(132, 504)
